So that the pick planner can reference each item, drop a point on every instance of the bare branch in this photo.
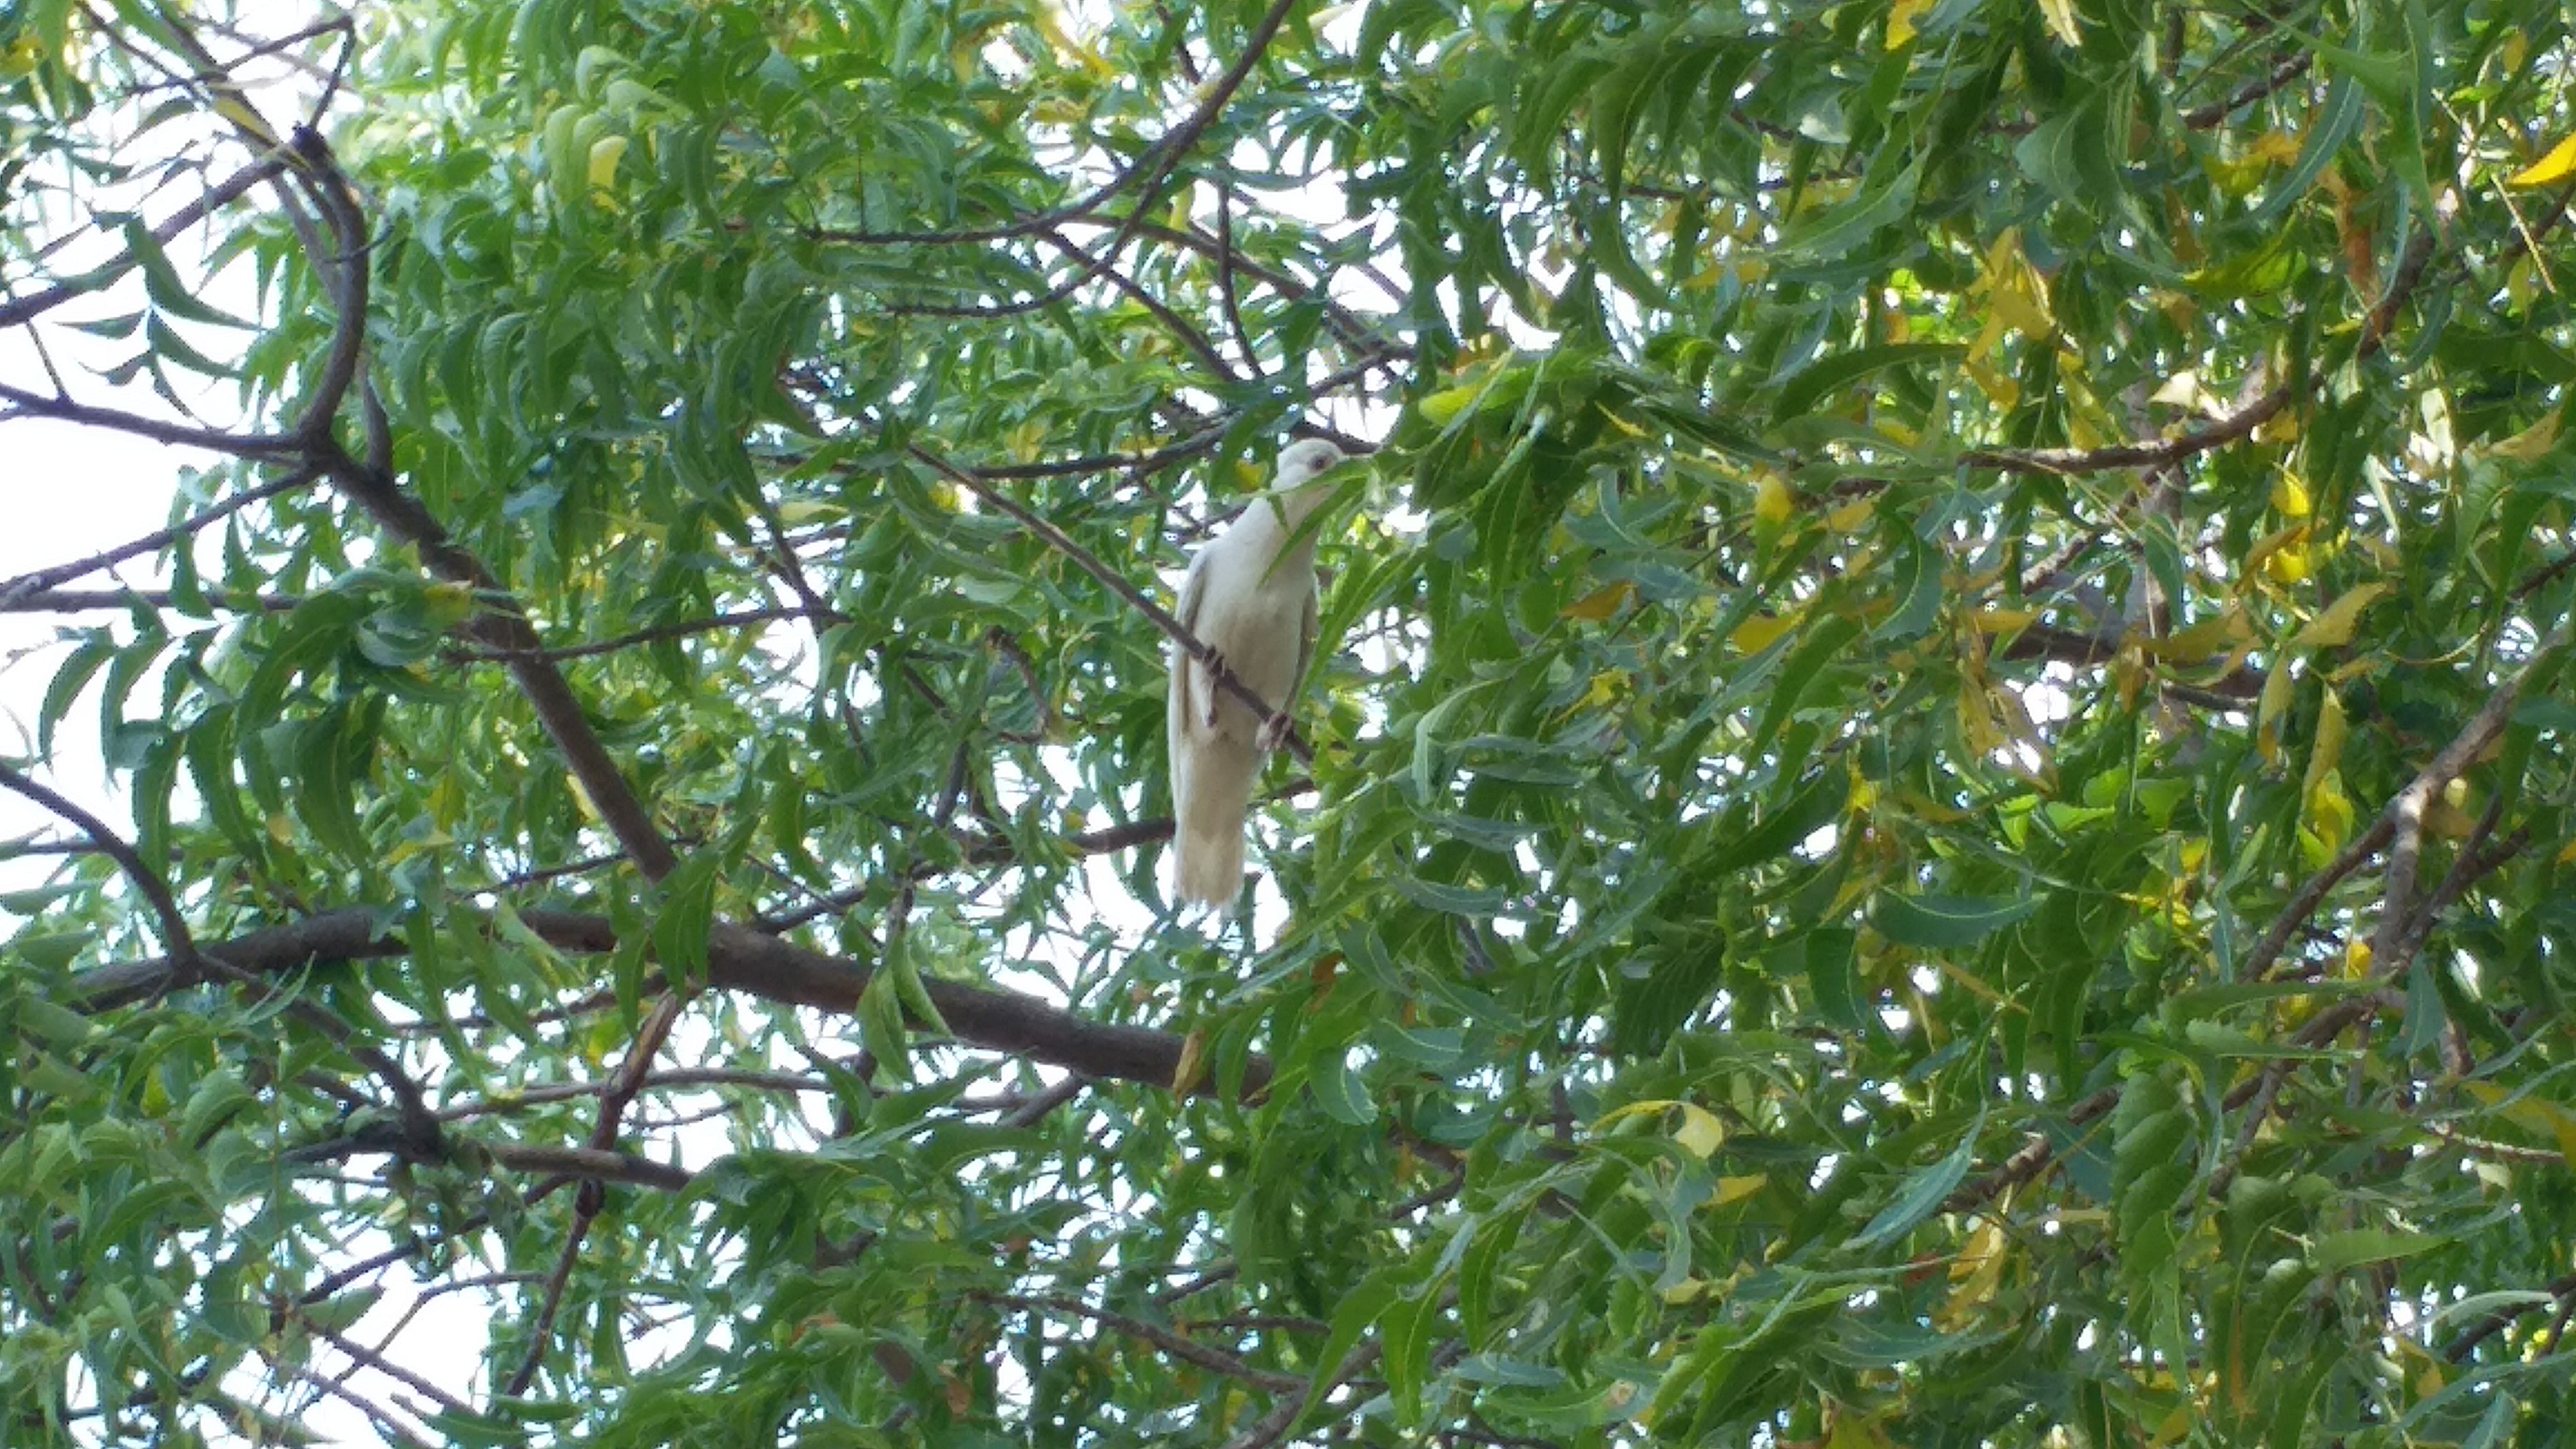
(25, 404)
(2393, 943)
(223, 193)
(1282, 1419)
(175, 937)
(91, 601)
(592, 1164)
(738, 960)
(380, 1364)
(15, 593)
(2069, 462)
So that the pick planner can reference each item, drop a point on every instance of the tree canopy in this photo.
(1936, 810)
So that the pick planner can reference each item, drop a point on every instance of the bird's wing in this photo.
(1184, 668)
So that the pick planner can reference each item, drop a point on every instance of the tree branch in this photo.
(2393, 942)
(1163, 1340)
(738, 960)
(223, 193)
(17, 595)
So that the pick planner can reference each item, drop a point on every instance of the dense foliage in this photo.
(1938, 809)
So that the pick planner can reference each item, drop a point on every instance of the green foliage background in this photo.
(1942, 818)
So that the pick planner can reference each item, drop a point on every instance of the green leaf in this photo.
(1827, 375)
(2334, 1252)
(1340, 1092)
(1924, 1191)
(686, 916)
(1940, 922)
(1886, 196)
(1823, 645)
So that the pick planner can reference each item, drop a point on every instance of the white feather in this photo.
(1250, 596)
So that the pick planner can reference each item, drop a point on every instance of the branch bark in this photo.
(738, 960)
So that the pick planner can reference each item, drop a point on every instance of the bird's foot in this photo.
(1275, 731)
(1216, 666)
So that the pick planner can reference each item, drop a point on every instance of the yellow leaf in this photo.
(1699, 1134)
(2003, 621)
(2328, 815)
(2263, 551)
(1852, 516)
(2532, 1114)
(1737, 1189)
(2182, 390)
(2000, 389)
(2061, 21)
(1051, 23)
(2529, 444)
(1772, 504)
(2290, 496)
(1448, 403)
(2558, 165)
(1192, 1065)
(604, 154)
(2199, 641)
(1759, 632)
(2449, 816)
(2332, 629)
(2268, 711)
(2274, 148)
(1601, 603)
(1975, 1274)
(1622, 424)
(2326, 752)
(230, 105)
(1900, 22)
(2566, 855)
(1977, 722)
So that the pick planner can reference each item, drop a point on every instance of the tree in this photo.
(1942, 819)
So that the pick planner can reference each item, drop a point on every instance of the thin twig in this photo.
(1282, 1419)
(1164, 1340)
(15, 593)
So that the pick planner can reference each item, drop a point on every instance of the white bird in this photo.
(1250, 597)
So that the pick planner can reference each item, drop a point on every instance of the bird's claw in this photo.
(1215, 667)
(1275, 731)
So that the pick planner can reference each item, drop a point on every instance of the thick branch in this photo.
(738, 960)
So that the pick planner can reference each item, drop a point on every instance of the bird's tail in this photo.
(1211, 790)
